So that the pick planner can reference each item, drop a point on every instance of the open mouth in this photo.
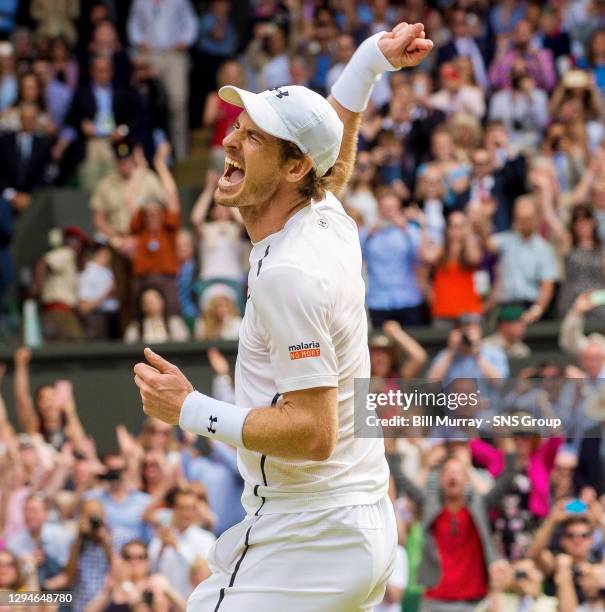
(234, 172)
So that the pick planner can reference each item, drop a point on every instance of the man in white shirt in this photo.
(177, 547)
(320, 531)
(163, 30)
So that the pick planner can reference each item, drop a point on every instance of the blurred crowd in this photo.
(479, 194)
(477, 189)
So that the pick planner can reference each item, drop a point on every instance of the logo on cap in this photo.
(280, 94)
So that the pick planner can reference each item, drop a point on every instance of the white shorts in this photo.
(336, 560)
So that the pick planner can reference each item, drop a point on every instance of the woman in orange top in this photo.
(453, 287)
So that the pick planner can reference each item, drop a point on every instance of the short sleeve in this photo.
(294, 311)
(548, 268)
(57, 259)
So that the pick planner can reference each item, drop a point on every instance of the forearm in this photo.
(571, 336)
(547, 290)
(439, 369)
(26, 414)
(542, 538)
(169, 184)
(288, 429)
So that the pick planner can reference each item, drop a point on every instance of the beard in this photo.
(255, 192)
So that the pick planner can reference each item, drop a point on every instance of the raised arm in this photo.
(204, 200)
(26, 412)
(405, 46)
(173, 203)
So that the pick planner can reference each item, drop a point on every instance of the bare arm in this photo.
(26, 412)
(204, 200)
(404, 47)
(304, 425)
(416, 355)
(173, 202)
(210, 113)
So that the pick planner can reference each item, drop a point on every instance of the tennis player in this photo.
(319, 535)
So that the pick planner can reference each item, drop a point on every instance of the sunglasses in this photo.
(577, 535)
(8, 564)
(135, 557)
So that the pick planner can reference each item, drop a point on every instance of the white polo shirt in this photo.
(305, 326)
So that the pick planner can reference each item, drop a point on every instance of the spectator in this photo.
(217, 44)
(56, 19)
(8, 81)
(522, 108)
(134, 587)
(345, 47)
(452, 289)
(97, 304)
(42, 540)
(219, 115)
(514, 585)
(186, 276)
(91, 557)
(527, 264)
(571, 335)
(220, 318)
(583, 262)
(360, 199)
(568, 533)
(57, 95)
(454, 96)
(100, 115)
(219, 230)
(539, 62)
(594, 60)
(24, 160)
(392, 252)
(462, 44)
(51, 413)
(105, 42)
(56, 280)
(467, 356)
(153, 324)
(15, 576)
(154, 227)
(6, 237)
(164, 31)
(457, 549)
(123, 506)
(387, 349)
(65, 68)
(31, 92)
(510, 332)
(177, 546)
(154, 111)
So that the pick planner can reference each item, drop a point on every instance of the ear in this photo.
(298, 168)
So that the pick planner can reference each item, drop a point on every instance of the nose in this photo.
(230, 141)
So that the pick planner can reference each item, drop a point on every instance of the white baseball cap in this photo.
(297, 114)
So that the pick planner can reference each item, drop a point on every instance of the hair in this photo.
(310, 187)
(589, 52)
(576, 520)
(586, 213)
(140, 316)
(40, 102)
(19, 581)
(212, 326)
(135, 542)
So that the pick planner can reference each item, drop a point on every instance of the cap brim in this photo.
(259, 109)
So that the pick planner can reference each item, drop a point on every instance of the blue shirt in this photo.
(225, 46)
(185, 279)
(54, 538)
(391, 255)
(218, 472)
(466, 366)
(104, 120)
(125, 518)
(8, 11)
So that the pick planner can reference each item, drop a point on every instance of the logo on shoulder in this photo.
(304, 350)
(322, 222)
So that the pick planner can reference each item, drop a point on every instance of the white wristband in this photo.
(212, 418)
(355, 84)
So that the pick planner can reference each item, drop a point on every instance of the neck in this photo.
(270, 217)
(454, 504)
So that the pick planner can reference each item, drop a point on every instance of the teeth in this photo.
(232, 162)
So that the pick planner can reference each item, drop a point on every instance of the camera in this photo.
(96, 522)
(147, 598)
(521, 575)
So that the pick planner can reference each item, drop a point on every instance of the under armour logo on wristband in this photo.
(212, 420)
(280, 94)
